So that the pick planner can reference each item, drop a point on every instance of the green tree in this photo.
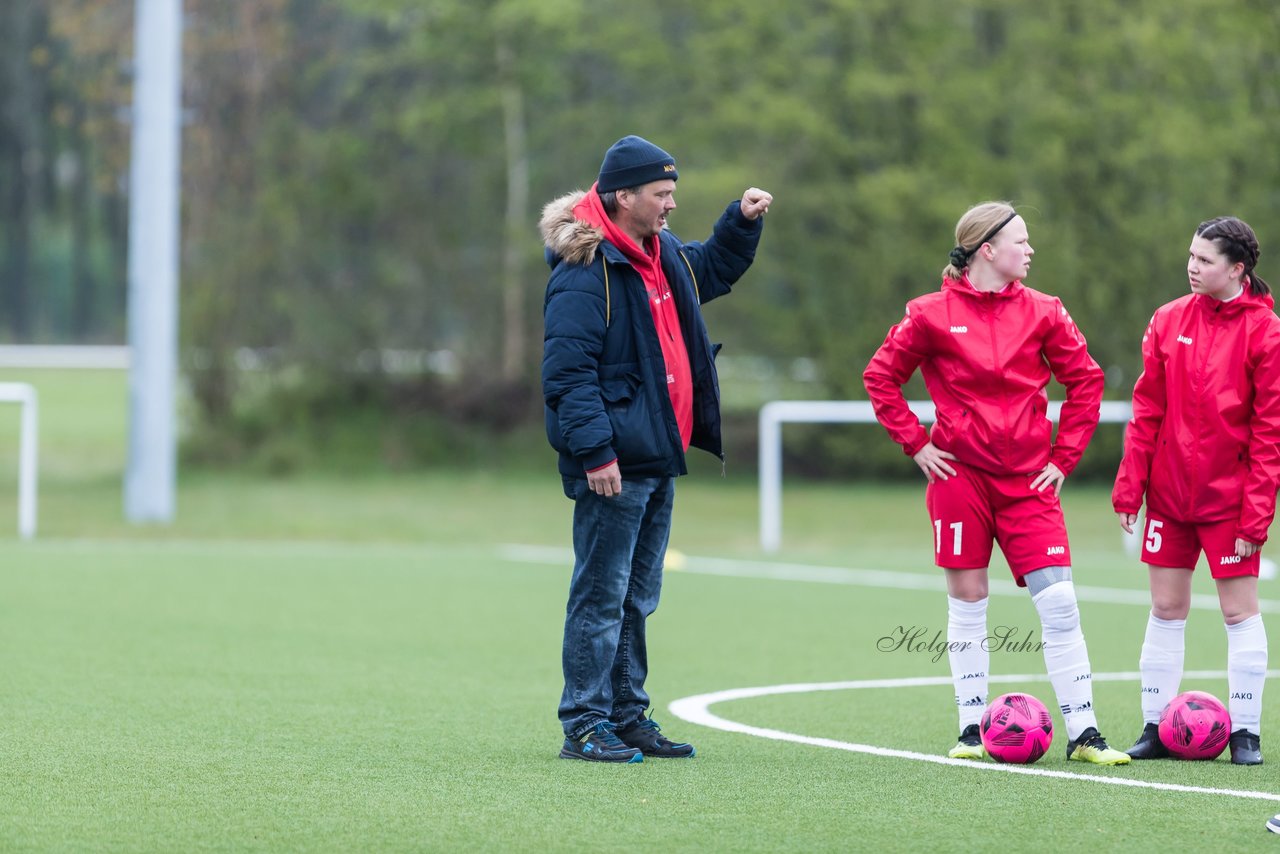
(362, 175)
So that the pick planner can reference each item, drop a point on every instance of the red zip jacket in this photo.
(1204, 442)
(986, 359)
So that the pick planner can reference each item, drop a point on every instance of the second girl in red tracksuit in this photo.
(1204, 448)
(987, 347)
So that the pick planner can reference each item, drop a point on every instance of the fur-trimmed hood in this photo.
(565, 236)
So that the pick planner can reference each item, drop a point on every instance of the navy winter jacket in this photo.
(603, 374)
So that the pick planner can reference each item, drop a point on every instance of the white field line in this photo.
(696, 710)
(285, 548)
(776, 571)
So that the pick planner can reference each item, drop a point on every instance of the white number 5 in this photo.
(1153, 535)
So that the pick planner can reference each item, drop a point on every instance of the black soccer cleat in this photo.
(1245, 748)
(1149, 745)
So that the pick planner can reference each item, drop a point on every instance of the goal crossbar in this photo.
(775, 413)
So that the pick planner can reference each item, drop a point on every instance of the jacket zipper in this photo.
(1198, 397)
(989, 307)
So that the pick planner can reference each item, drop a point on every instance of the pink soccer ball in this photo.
(1195, 725)
(1016, 728)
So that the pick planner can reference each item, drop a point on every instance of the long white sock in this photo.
(970, 660)
(1246, 672)
(1065, 656)
(1163, 652)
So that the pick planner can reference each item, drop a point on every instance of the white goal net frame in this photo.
(32, 357)
(778, 412)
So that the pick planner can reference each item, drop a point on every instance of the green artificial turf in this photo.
(372, 664)
(321, 695)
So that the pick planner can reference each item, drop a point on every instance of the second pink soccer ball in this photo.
(1195, 725)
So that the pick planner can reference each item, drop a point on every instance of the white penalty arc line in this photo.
(696, 710)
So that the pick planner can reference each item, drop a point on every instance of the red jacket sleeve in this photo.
(904, 348)
(1259, 505)
(1149, 404)
(1069, 359)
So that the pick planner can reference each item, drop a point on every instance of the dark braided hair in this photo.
(1238, 244)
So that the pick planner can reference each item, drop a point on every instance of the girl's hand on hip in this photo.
(933, 462)
(1050, 475)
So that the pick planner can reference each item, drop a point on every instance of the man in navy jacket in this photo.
(629, 379)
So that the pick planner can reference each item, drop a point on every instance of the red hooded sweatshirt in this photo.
(1204, 442)
(987, 359)
(666, 321)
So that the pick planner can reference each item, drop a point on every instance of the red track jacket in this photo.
(1204, 442)
(986, 359)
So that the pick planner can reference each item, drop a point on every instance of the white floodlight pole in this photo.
(153, 261)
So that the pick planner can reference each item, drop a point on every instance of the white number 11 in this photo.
(957, 529)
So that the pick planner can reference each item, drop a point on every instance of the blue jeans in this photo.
(619, 544)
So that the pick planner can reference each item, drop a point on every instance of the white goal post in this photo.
(39, 356)
(25, 395)
(775, 413)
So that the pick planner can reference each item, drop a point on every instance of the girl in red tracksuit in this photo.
(1204, 448)
(987, 346)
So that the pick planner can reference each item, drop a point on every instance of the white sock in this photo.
(1066, 657)
(1246, 672)
(970, 660)
(1163, 651)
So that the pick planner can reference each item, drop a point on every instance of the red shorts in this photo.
(976, 508)
(1179, 544)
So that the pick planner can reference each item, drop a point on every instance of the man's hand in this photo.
(1127, 521)
(755, 203)
(606, 481)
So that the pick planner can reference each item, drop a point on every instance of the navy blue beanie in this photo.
(633, 162)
